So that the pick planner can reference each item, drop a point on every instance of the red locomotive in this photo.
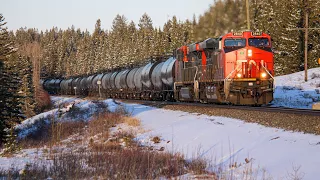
(235, 68)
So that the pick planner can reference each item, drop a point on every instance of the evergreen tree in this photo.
(133, 39)
(8, 105)
(5, 44)
(146, 36)
(118, 44)
(313, 6)
(70, 52)
(26, 88)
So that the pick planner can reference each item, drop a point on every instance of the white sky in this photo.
(45, 14)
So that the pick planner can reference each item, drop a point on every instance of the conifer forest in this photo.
(27, 55)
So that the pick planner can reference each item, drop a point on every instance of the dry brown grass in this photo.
(131, 163)
(103, 147)
(102, 157)
(48, 134)
(156, 139)
(132, 121)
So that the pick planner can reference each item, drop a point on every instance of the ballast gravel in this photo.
(294, 122)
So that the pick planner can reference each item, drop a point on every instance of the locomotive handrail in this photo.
(195, 83)
(195, 74)
(226, 79)
(273, 85)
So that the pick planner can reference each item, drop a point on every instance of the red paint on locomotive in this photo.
(246, 54)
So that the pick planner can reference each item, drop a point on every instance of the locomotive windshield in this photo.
(259, 42)
(235, 42)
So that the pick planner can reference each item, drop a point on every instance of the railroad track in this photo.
(309, 112)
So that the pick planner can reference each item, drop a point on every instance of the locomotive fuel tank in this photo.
(168, 72)
(105, 81)
(130, 78)
(156, 76)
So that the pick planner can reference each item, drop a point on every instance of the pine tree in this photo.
(133, 39)
(26, 88)
(5, 45)
(146, 36)
(118, 41)
(70, 52)
(10, 103)
(314, 35)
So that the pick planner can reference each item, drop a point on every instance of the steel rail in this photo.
(308, 112)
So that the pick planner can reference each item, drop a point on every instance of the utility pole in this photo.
(306, 29)
(248, 17)
(306, 48)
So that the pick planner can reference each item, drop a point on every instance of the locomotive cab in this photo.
(235, 68)
(248, 73)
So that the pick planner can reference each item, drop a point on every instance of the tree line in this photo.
(74, 52)
(28, 54)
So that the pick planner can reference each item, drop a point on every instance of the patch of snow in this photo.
(63, 105)
(293, 92)
(220, 140)
(26, 156)
(224, 141)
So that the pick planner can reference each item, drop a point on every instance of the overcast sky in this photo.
(44, 14)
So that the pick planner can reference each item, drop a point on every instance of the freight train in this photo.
(236, 68)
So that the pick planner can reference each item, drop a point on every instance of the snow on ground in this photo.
(61, 106)
(293, 92)
(19, 161)
(225, 140)
(222, 141)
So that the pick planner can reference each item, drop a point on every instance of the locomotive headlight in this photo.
(239, 75)
(250, 52)
(263, 75)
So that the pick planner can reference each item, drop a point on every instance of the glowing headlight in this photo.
(263, 75)
(250, 52)
(239, 75)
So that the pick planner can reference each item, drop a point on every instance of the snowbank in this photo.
(293, 92)
(81, 110)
